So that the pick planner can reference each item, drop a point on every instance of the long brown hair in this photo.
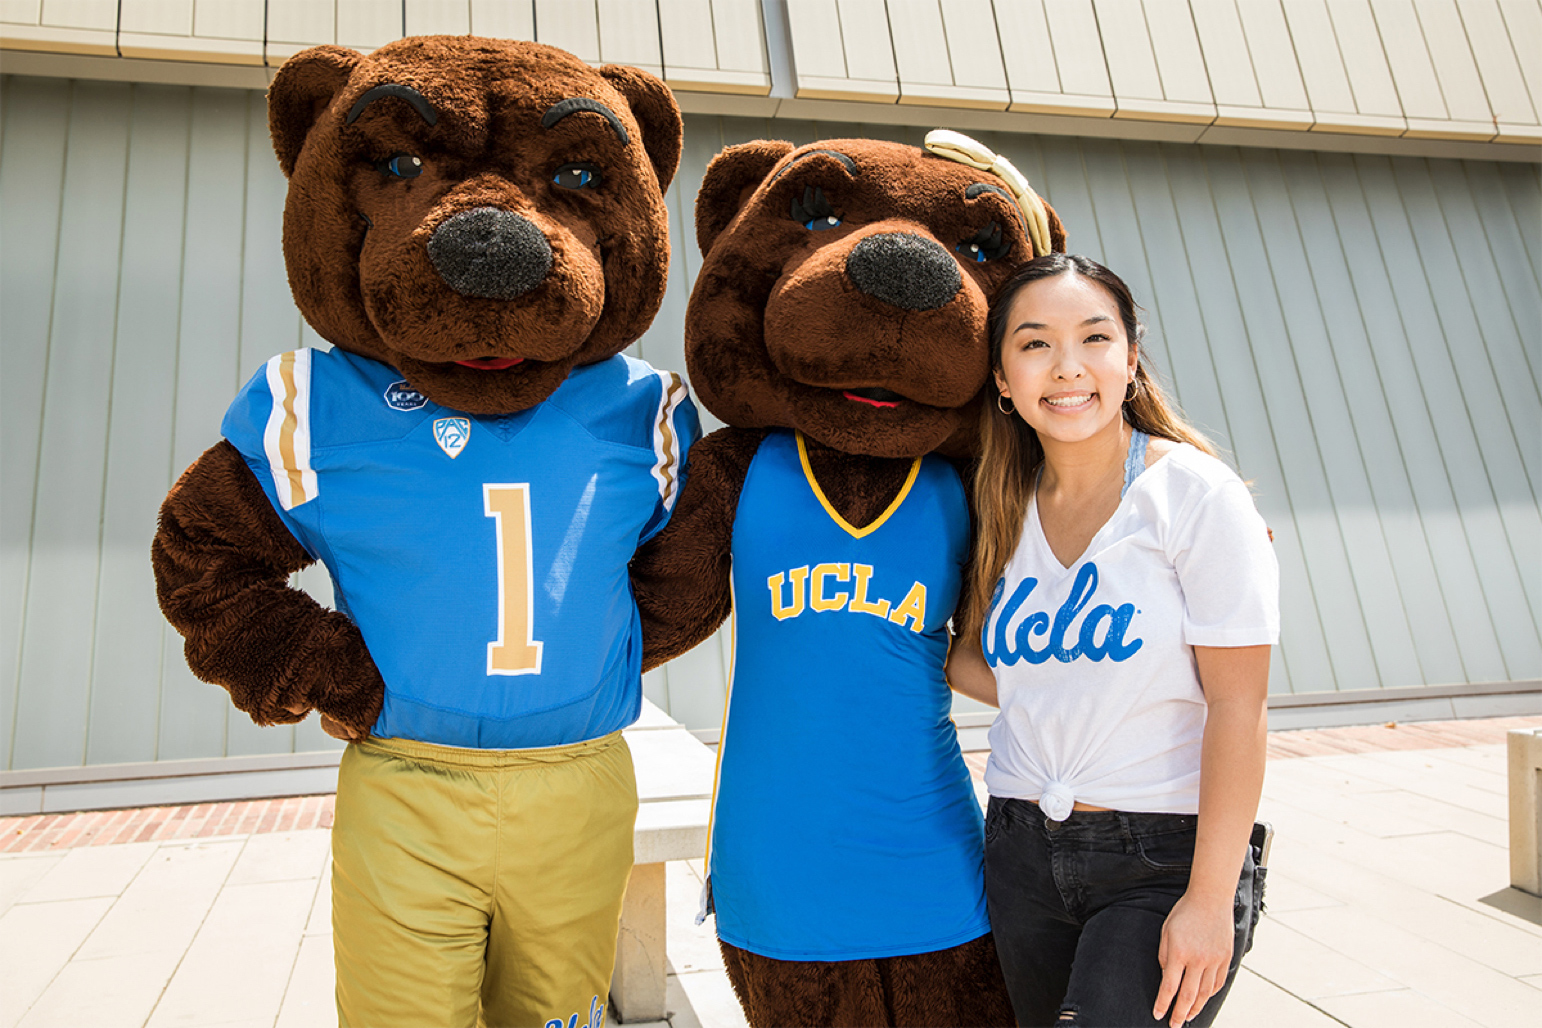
(1010, 453)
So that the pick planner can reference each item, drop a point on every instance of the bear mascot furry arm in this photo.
(436, 223)
(838, 327)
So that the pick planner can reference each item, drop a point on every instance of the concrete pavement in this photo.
(1388, 904)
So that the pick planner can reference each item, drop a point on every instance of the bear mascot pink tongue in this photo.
(838, 327)
(478, 228)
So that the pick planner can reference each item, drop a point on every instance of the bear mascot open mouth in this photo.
(480, 224)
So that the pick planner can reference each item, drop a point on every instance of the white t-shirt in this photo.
(1094, 664)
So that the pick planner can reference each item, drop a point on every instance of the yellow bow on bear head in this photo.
(956, 146)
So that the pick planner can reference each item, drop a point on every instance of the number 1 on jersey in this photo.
(515, 651)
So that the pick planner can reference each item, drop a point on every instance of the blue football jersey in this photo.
(484, 558)
(845, 826)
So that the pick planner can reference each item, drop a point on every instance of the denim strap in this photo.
(1135, 460)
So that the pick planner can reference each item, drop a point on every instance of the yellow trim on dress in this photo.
(855, 533)
(722, 735)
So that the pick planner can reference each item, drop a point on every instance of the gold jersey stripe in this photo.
(286, 432)
(666, 442)
(287, 437)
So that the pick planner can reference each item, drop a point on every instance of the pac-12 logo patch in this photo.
(401, 396)
(452, 434)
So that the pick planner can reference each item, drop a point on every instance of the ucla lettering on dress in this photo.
(1000, 650)
(799, 589)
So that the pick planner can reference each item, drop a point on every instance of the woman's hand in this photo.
(968, 673)
(1195, 954)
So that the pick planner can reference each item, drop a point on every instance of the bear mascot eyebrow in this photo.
(838, 327)
(478, 228)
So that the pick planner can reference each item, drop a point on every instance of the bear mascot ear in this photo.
(731, 178)
(654, 107)
(300, 92)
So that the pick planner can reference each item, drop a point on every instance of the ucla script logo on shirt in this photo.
(1114, 623)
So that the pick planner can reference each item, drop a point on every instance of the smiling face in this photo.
(1066, 359)
(481, 214)
(844, 291)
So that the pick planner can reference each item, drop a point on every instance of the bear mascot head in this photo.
(482, 217)
(481, 214)
(844, 291)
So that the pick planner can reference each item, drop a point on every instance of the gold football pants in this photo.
(479, 886)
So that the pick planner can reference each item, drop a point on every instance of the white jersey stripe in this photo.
(287, 437)
(666, 438)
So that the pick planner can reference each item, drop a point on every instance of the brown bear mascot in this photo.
(478, 228)
(838, 327)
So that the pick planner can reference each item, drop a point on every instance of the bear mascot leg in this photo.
(958, 986)
(477, 226)
(838, 327)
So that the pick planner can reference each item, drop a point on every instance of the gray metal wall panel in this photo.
(1429, 508)
(1322, 430)
(1371, 492)
(129, 628)
(56, 656)
(1359, 334)
(1523, 190)
(1515, 272)
(31, 187)
(1476, 452)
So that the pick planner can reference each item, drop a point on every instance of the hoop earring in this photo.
(1003, 406)
(1132, 391)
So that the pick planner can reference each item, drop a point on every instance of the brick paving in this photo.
(41, 833)
(1424, 735)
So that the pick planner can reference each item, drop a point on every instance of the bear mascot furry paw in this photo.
(838, 327)
(478, 228)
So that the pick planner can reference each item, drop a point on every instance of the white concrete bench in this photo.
(674, 786)
(1526, 809)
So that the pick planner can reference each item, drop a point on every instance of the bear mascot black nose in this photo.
(905, 270)
(490, 253)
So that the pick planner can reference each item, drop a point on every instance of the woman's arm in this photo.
(1198, 936)
(968, 673)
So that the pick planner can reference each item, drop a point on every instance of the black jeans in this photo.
(1077, 909)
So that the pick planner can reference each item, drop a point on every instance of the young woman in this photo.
(1125, 597)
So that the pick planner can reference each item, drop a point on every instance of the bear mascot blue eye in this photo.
(401, 165)
(577, 176)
